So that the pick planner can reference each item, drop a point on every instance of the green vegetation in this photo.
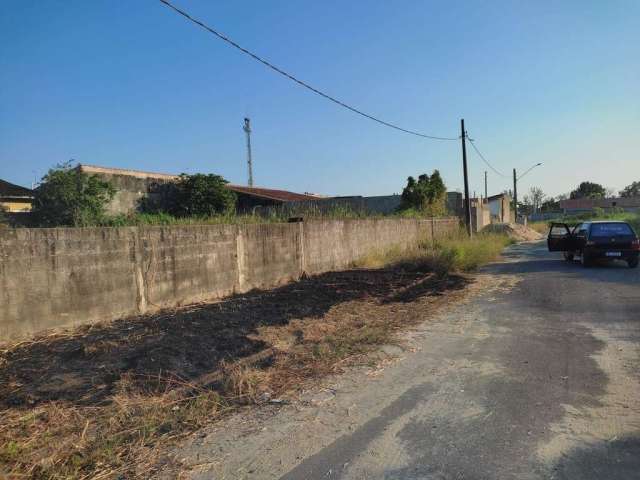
(455, 253)
(632, 190)
(70, 197)
(427, 195)
(589, 190)
(201, 195)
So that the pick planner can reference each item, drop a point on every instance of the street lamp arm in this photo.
(531, 168)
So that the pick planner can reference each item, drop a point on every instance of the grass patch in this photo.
(456, 253)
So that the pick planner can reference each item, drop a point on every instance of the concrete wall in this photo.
(69, 276)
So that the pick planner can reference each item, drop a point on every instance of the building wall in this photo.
(14, 206)
(61, 277)
(579, 205)
(132, 187)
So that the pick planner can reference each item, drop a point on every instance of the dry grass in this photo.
(540, 227)
(456, 253)
(119, 418)
(60, 441)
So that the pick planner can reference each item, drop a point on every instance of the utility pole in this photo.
(515, 194)
(247, 130)
(467, 200)
(485, 185)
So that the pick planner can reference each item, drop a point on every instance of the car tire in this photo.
(568, 256)
(633, 263)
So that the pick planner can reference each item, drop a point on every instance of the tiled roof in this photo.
(271, 194)
(11, 190)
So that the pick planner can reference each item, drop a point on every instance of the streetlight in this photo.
(515, 187)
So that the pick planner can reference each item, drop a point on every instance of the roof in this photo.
(267, 193)
(125, 171)
(271, 194)
(12, 190)
(607, 221)
(495, 197)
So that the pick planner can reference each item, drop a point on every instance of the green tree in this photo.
(202, 195)
(427, 195)
(632, 190)
(589, 190)
(69, 197)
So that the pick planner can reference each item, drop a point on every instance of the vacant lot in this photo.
(103, 401)
(90, 401)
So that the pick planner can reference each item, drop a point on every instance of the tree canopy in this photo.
(427, 195)
(589, 190)
(69, 197)
(202, 195)
(632, 190)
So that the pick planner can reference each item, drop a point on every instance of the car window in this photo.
(558, 230)
(610, 229)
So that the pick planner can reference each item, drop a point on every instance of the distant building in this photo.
(252, 197)
(14, 198)
(134, 187)
(500, 208)
(582, 205)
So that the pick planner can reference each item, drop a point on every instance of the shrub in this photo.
(203, 195)
(69, 197)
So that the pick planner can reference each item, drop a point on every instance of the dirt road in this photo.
(534, 377)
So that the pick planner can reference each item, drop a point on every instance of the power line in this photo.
(485, 160)
(299, 82)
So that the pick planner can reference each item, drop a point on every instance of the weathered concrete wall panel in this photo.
(60, 277)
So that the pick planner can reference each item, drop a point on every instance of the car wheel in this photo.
(632, 263)
(568, 256)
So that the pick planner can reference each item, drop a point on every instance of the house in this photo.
(14, 198)
(500, 208)
(583, 205)
(134, 187)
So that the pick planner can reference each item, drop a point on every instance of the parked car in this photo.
(595, 240)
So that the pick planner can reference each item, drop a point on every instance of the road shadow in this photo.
(85, 365)
(618, 459)
(534, 258)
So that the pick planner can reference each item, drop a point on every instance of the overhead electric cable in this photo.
(484, 159)
(299, 82)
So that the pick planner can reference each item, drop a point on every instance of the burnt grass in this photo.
(108, 399)
(83, 366)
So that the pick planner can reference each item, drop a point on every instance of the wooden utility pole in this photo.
(467, 200)
(515, 195)
(485, 185)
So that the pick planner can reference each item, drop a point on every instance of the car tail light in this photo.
(635, 245)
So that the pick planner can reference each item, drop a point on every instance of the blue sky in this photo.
(131, 84)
